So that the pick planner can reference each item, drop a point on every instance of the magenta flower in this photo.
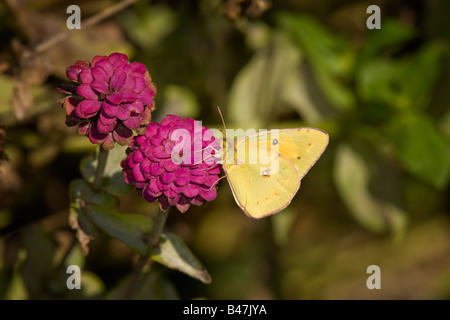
(173, 162)
(112, 98)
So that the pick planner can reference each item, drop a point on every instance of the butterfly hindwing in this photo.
(262, 189)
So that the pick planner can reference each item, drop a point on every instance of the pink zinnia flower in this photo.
(112, 97)
(162, 171)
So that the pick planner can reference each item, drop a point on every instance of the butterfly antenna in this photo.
(215, 183)
(223, 121)
(218, 155)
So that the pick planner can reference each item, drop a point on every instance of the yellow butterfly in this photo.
(266, 168)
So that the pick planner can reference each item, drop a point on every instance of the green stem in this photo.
(101, 164)
(152, 241)
(158, 227)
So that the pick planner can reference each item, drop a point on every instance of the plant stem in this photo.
(152, 241)
(101, 164)
(158, 227)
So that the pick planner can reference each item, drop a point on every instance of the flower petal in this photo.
(133, 122)
(135, 106)
(110, 109)
(86, 91)
(147, 195)
(114, 98)
(70, 104)
(137, 173)
(116, 59)
(100, 86)
(122, 135)
(117, 80)
(167, 177)
(127, 94)
(99, 73)
(138, 67)
(123, 113)
(156, 169)
(191, 190)
(87, 108)
(105, 65)
(161, 185)
(95, 136)
(208, 194)
(146, 96)
(86, 76)
(105, 123)
(170, 166)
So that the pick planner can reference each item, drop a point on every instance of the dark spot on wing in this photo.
(298, 157)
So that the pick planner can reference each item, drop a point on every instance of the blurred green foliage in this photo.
(379, 194)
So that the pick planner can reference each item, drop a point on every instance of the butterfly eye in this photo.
(275, 141)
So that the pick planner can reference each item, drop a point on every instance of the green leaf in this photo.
(79, 189)
(401, 83)
(256, 88)
(426, 67)
(421, 148)
(38, 267)
(356, 178)
(80, 194)
(113, 177)
(174, 253)
(392, 34)
(329, 55)
(129, 228)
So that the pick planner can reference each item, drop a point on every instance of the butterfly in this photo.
(265, 168)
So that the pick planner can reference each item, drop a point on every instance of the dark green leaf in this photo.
(81, 193)
(391, 35)
(129, 228)
(113, 178)
(329, 55)
(402, 84)
(38, 267)
(421, 148)
(80, 190)
(257, 87)
(175, 254)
